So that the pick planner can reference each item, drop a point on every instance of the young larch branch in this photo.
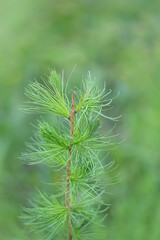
(73, 148)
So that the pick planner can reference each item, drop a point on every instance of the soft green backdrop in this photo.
(119, 41)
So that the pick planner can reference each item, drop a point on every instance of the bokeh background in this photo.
(119, 41)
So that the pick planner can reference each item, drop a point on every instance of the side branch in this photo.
(68, 172)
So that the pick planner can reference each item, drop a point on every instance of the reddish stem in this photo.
(67, 195)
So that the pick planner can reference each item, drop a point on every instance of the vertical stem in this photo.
(67, 196)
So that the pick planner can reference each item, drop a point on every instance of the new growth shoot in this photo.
(72, 146)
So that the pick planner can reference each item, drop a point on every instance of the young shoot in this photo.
(72, 145)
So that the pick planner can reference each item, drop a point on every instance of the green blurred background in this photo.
(119, 41)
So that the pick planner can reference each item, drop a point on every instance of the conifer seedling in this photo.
(73, 145)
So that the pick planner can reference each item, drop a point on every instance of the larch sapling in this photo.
(71, 145)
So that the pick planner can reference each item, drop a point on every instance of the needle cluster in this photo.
(70, 145)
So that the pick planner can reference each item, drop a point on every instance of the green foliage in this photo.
(47, 215)
(49, 97)
(49, 146)
(53, 143)
(91, 99)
